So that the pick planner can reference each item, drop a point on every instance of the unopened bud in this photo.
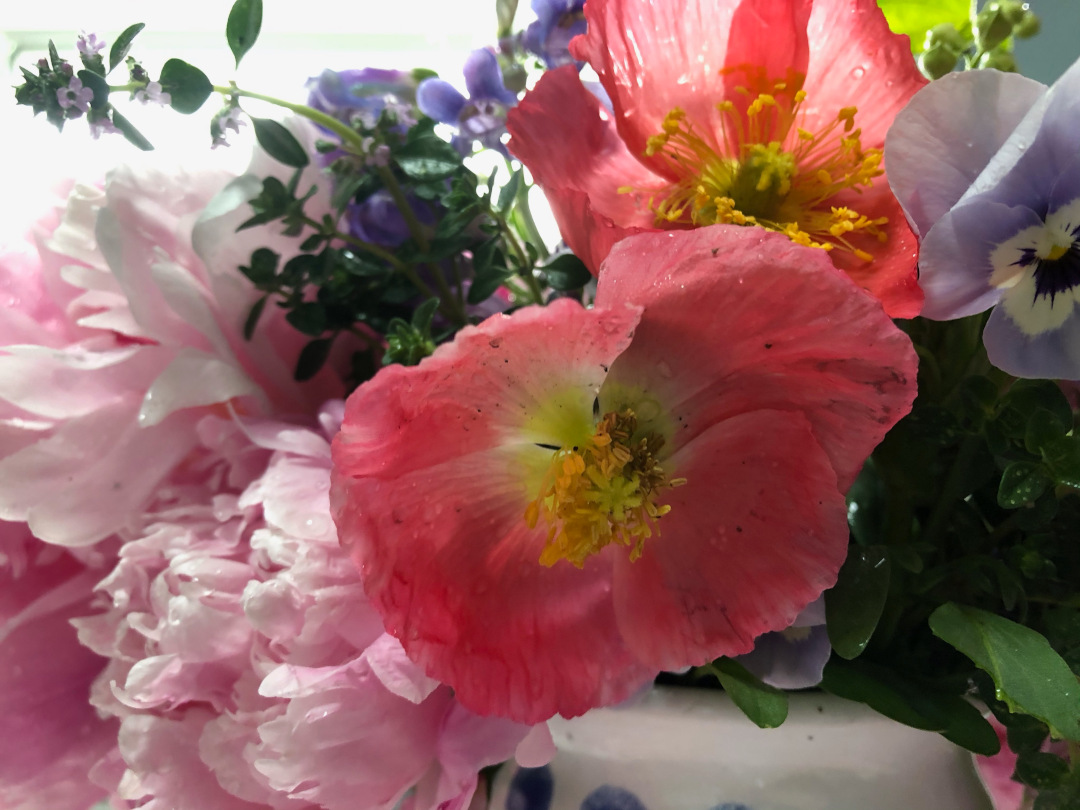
(998, 60)
(1028, 26)
(992, 27)
(937, 61)
(945, 35)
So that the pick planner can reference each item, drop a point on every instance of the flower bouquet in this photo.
(327, 484)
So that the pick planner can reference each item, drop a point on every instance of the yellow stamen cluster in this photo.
(601, 493)
(762, 168)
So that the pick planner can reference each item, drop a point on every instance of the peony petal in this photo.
(941, 141)
(757, 533)
(737, 319)
(194, 378)
(561, 132)
(392, 667)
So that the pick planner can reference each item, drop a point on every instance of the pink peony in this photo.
(246, 664)
(120, 333)
(767, 112)
(563, 501)
(50, 736)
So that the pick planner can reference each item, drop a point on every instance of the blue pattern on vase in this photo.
(732, 806)
(531, 789)
(609, 797)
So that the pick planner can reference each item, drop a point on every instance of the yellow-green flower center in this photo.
(773, 173)
(602, 492)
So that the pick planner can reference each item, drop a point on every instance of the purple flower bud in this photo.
(90, 44)
(102, 126)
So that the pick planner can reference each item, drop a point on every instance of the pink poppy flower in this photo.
(563, 501)
(770, 112)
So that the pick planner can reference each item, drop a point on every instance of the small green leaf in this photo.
(486, 283)
(186, 84)
(509, 192)
(566, 272)
(1024, 733)
(242, 29)
(312, 358)
(427, 158)
(853, 606)
(1028, 674)
(263, 267)
(1041, 770)
(765, 705)
(120, 47)
(1062, 458)
(421, 319)
(128, 131)
(252, 319)
(308, 318)
(1022, 482)
(97, 83)
(279, 143)
(883, 691)
(1043, 428)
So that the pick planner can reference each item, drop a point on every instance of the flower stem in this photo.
(345, 132)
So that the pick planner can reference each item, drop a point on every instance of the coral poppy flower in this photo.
(770, 113)
(563, 501)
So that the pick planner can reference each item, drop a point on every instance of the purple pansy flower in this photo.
(793, 658)
(987, 168)
(75, 95)
(480, 117)
(557, 22)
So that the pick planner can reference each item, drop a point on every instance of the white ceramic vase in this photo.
(691, 749)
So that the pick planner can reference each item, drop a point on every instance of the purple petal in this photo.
(440, 100)
(483, 79)
(954, 260)
(788, 663)
(1052, 355)
(947, 134)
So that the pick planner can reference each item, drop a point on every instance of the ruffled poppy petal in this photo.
(757, 533)
(855, 60)
(738, 319)
(652, 57)
(447, 558)
(947, 134)
(482, 389)
(563, 134)
(769, 40)
(892, 277)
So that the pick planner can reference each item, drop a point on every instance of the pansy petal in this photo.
(790, 662)
(737, 319)
(954, 261)
(483, 78)
(440, 100)
(943, 139)
(758, 531)
(1051, 355)
(855, 60)
(566, 138)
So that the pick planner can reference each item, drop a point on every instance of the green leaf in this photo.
(882, 691)
(122, 44)
(1043, 428)
(186, 84)
(1062, 458)
(1024, 733)
(242, 29)
(252, 319)
(1041, 770)
(312, 358)
(1022, 482)
(128, 131)
(427, 158)
(1028, 674)
(509, 192)
(308, 318)
(765, 705)
(97, 83)
(263, 267)
(421, 319)
(279, 143)
(853, 606)
(566, 272)
(1024, 397)
(916, 17)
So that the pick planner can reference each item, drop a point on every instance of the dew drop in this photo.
(858, 73)
(663, 369)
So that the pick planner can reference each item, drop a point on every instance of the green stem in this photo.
(345, 132)
(951, 492)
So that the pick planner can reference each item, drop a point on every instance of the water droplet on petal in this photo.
(858, 73)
